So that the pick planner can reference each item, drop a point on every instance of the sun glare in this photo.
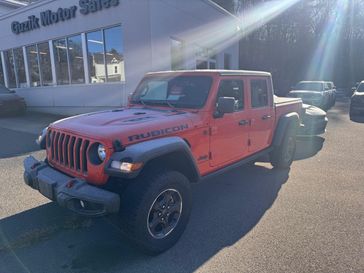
(219, 35)
(322, 64)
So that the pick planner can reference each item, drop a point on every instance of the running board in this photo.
(237, 164)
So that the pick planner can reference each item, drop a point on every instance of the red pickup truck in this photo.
(138, 162)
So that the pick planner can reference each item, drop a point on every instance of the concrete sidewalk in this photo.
(32, 123)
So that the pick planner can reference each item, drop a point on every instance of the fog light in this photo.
(126, 167)
(82, 204)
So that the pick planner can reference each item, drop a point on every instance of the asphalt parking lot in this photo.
(253, 219)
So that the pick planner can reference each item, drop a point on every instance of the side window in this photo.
(235, 89)
(259, 93)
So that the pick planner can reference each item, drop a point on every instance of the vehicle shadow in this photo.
(14, 143)
(308, 147)
(226, 208)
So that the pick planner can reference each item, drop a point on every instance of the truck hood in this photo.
(305, 92)
(128, 125)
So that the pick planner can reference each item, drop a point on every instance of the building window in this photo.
(14, 64)
(114, 54)
(96, 58)
(75, 57)
(177, 55)
(9, 66)
(45, 64)
(205, 59)
(106, 55)
(61, 61)
(213, 62)
(2, 79)
(259, 93)
(33, 64)
(206, 64)
(227, 61)
(201, 64)
(20, 67)
(39, 63)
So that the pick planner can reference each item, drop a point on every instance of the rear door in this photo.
(229, 134)
(261, 113)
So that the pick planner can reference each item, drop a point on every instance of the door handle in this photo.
(243, 122)
(265, 117)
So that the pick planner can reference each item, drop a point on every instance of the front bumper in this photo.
(72, 193)
(313, 127)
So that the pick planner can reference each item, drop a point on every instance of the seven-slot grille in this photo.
(68, 150)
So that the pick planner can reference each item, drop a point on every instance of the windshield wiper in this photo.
(170, 104)
(142, 102)
(149, 102)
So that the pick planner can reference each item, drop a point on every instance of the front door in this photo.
(262, 113)
(229, 134)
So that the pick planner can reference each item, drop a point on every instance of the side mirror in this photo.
(225, 105)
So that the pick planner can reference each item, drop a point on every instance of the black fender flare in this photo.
(283, 123)
(145, 152)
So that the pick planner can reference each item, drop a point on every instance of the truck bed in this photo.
(286, 105)
(280, 100)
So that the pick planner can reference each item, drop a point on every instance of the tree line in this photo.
(312, 40)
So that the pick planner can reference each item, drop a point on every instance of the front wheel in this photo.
(283, 155)
(155, 209)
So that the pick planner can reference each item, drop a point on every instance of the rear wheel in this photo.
(155, 210)
(283, 155)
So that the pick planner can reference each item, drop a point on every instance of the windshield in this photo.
(314, 86)
(179, 91)
(4, 90)
(360, 88)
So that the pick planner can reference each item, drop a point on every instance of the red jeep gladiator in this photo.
(138, 162)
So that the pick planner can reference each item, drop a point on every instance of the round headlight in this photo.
(101, 152)
(41, 140)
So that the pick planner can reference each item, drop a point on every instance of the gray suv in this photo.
(317, 93)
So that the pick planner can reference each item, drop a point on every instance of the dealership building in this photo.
(75, 56)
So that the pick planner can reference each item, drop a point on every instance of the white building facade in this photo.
(75, 56)
(7, 6)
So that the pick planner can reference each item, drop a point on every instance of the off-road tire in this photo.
(283, 155)
(137, 201)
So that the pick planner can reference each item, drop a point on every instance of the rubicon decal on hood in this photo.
(160, 132)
